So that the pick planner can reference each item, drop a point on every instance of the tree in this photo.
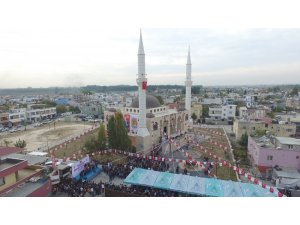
(20, 144)
(260, 133)
(91, 144)
(271, 115)
(75, 109)
(205, 111)
(61, 109)
(244, 140)
(122, 140)
(295, 91)
(194, 116)
(160, 99)
(6, 142)
(102, 137)
(111, 132)
(177, 99)
(49, 103)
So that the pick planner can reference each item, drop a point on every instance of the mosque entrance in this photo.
(165, 130)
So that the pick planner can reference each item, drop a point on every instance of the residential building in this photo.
(4, 119)
(251, 100)
(243, 112)
(92, 109)
(128, 101)
(38, 112)
(211, 101)
(268, 152)
(251, 127)
(293, 103)
(17, 178)
(17, 116)
(219, 112)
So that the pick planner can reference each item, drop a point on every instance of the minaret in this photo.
(188, 84)
(142, 84)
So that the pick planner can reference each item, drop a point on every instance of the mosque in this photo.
(146, 119)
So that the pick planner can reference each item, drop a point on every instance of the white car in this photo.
(13, 130)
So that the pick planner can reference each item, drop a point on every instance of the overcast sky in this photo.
(64, 45)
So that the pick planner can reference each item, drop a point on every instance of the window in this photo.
(2, 181)
(266, 125)
(297, 157)
(230, 107)
(269, 157)
(291, 146)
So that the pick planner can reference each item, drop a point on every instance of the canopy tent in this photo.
(195, 185)
(231, 189)
(179, 183)
(213, 187)
(164, 180)
(149, 178)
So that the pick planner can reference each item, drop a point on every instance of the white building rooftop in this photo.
(288, 141)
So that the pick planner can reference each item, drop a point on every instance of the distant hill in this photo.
(96, 88)
(39, 91)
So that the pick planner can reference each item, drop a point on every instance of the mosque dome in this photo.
(151, 102)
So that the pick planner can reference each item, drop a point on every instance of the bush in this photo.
(20, 144)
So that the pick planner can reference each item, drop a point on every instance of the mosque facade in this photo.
(147, 121)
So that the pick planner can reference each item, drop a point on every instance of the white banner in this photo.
(79, 166)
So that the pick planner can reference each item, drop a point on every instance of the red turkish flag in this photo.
(271, 189)
(249, 177)
(255, 181)
(280, 194)
(264, 185)
(144, 85)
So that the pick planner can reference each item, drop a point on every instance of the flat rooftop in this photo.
(288, 140)
(6, 163)
(31, 159)
(264, 142)
(24, 189)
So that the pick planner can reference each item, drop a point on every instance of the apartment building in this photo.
(268, 152)
(251, 127)
(219, 112)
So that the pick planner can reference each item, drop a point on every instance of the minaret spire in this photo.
(188, 83)
(141, 46)
(189, 58)
(142, 85)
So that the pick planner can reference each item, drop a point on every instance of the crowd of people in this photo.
(123, 170)
(85, 188)
(79, 188)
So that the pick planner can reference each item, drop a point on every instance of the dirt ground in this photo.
(38, 139)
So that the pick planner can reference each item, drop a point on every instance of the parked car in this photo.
(13, 130)
(37, 125)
